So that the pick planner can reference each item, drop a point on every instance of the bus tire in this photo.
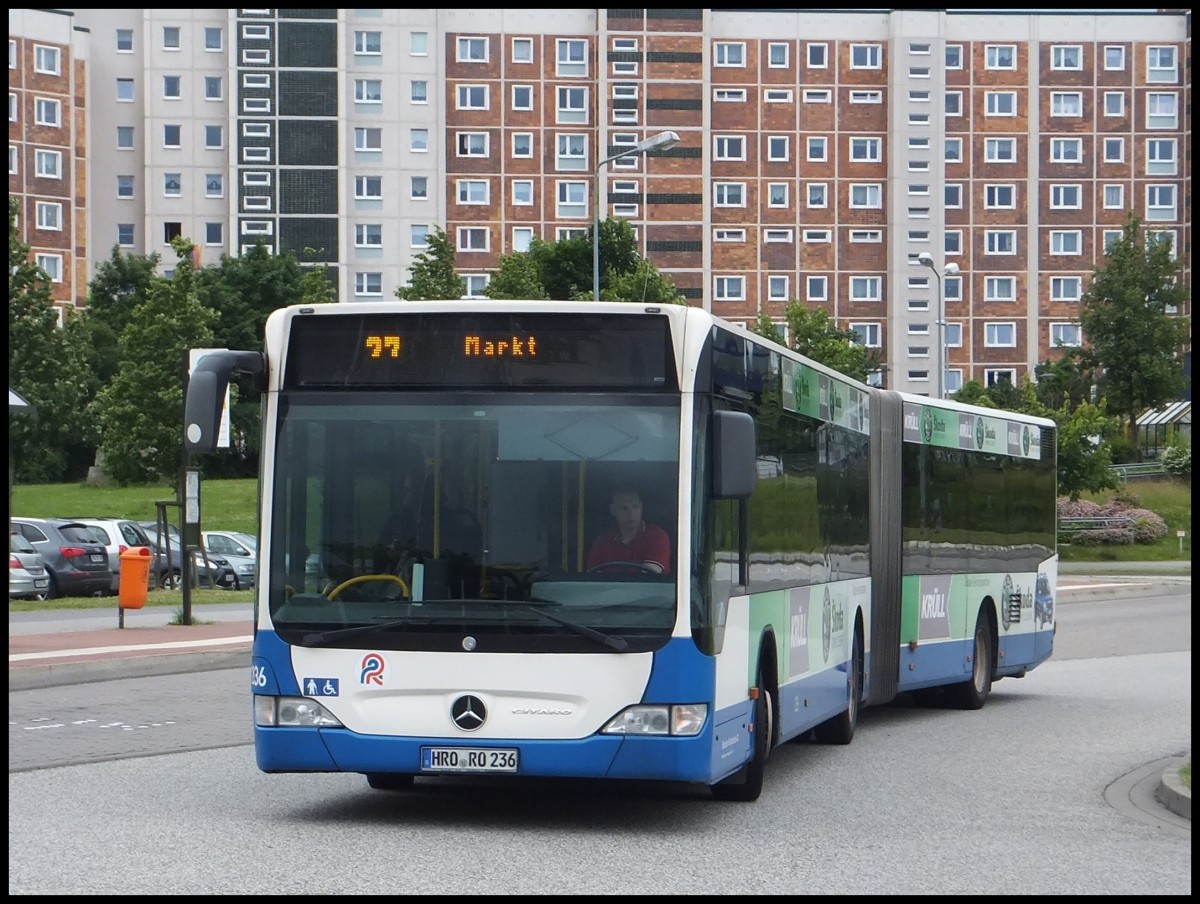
(746, 784)
(840, 729)
(390, 781)
(973, 693)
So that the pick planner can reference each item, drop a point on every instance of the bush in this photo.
(1145, 526)
(1177, 460)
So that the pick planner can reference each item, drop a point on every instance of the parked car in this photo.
(119, 535)
(218, 572)
(73, 553)
(27, 575)
(240, 549)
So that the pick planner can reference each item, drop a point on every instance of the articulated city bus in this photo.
(434, 479)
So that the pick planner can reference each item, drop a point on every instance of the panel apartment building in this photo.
(821, 152)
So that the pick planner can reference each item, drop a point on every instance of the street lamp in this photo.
(654, 142)
(926, 260)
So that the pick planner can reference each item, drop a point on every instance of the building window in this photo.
(729, 288)
(729, 194)
(729, 95)
(784, 96)
(1000, 150)
(571, 58)
(1114, 150)
(472, 50)
(125, 90)
(778, 236)
(47, 164)
(777, 56)
(1161, 111)
(1066, 103)
(124, 40)
(1000, 241)
(952, 242)
(472, 191)
(214, 233)
(866, 288)
(125, 234)
(124, 186)
(817, 194)
(1000, 335)
(817, 56)
(471, 97)
(368, 91)
(1160, 65)
(868, 236)
(368, 235)
(46, 112)
(368, 188)
(172, 135)
(250, 178)
(571, 152)
(1114, 197)
(869, 195)
(522, 97)
(214, 137)
(729, 147)
(571, 199)
(1000, 288)
(952, 335)
(522, 238)
(953, 195)
(954, 56)
(522, 192)
(368, 283)
(171, 87)
(418, 44)
(777, 194)
(1114, 57)
(256, 155)
(1000, 56)
(817, 148)
(856, 97)
(472, 144)
(1000, 197)
(1066, 57)
(1160, 202)
(368, 43)
(729, 54)
(368, 139)
(1000, 103)
(172, 185)
(256, 105)
(52, 265)
(954, 103)
(777, 288)
(522, 50)
(1066, 150)
(522, 145)
(1114, 103)
(46, 60)
(865, 56)
(953, 150)
(572, 105)
(214, 185)
(866, 149)
(817, 236)
(1066, 197)
(1066, 334)
(49, 215)
(418, 236)
(778, 148)
(729, 235)
(867, 334)
(1066, 241)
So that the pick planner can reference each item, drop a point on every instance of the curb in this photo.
(1173, 794)
(60, 674)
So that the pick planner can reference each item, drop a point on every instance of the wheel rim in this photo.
(982, 666)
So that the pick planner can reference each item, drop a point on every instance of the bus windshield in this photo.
(405, 520)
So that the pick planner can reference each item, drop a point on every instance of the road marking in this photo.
(132, 648)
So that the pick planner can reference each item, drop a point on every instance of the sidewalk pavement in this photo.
(57, 658)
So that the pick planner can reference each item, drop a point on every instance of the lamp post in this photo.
(654, 142)
(926, 260)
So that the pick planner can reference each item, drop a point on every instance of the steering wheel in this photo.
(396, 579)
(641, 566)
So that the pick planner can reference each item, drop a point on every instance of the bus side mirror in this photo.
(206, 394)
(734, 473)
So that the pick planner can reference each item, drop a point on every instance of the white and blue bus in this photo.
(432, 477)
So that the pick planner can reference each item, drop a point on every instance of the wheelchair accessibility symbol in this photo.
(321, 687)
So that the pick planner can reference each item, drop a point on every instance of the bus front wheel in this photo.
(746, 784)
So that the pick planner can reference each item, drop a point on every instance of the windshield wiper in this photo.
(319, 638)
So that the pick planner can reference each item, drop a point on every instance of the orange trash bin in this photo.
(135, 577)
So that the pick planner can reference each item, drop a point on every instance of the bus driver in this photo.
(633, 541)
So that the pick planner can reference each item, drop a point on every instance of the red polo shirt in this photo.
(650, 545)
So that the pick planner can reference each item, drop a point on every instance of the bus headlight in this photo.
(291, 712)
(681, 719)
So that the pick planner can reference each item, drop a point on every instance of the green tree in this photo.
(119, 286)
(141, 411)
(813, 334)
(518, 276)
(644, 284)
(618, 257)
(1133, 340)
(48, 367)
(1069, 380)
(431, 275)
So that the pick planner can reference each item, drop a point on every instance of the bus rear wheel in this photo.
(746, 784)
(973, 693)
(390, 781)
(840, 729)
